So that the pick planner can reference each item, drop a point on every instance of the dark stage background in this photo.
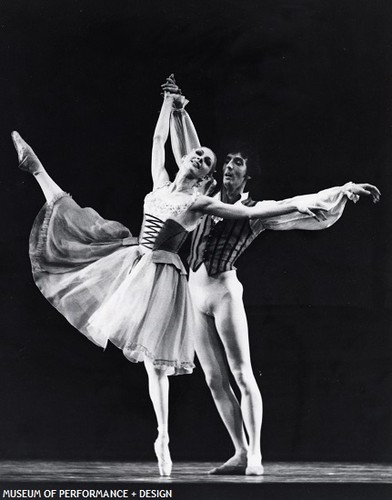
(309, 83)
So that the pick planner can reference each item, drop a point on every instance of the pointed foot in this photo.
(28, 160)
(161, 448)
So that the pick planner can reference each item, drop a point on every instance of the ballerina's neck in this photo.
(183, 184)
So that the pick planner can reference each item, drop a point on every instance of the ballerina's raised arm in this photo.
(159, 173)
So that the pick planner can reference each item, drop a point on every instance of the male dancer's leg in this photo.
(211, 355)
(232, 327)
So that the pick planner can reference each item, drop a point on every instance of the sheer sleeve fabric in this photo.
(183, 134)
(332, 201)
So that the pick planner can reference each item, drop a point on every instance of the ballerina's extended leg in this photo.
(29, 162)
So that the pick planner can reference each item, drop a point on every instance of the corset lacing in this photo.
(151, 228)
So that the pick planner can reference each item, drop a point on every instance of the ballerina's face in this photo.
(199, 162)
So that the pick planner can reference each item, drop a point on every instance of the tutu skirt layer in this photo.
(93, 272)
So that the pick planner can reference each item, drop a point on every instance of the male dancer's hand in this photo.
(365, 189)
(171, 86)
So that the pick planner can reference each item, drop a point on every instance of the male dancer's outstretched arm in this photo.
(330, 201)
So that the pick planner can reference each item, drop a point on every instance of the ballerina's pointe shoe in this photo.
(28, 160)
(162, 453)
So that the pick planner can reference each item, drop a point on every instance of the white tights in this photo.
(222, 345)
(49, 188)
(158, 386)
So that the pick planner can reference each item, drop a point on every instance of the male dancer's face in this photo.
(235, 172)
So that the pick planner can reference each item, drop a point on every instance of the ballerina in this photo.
(132, 291)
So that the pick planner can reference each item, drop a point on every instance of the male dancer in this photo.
(221, 336)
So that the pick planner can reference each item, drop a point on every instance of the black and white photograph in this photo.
(196, 249)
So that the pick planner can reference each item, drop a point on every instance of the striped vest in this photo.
(220, 244)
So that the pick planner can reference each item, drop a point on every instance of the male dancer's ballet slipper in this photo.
(235, 466)
(254, 467)
(237, 470)
(163, 455)
(228, 470)
(28, 160)
(254, 470)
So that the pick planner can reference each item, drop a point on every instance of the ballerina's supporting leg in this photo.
(29, 162)
(158, 385)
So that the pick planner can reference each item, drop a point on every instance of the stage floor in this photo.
(190, 472)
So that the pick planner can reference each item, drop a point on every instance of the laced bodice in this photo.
(165, 223)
